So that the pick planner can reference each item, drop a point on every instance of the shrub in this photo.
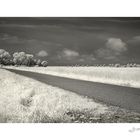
(44, 63)
(117, 65)
(21, 58)
(5, 57)
(38, 62)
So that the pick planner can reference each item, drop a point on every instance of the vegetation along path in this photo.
(126, 97)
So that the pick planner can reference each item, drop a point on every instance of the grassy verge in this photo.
(129, 77)
(25, 100)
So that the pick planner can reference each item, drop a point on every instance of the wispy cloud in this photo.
(72, 56)
(134, 40)
(87, 58)
(9, 38)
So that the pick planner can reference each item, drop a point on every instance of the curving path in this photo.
(125, 97)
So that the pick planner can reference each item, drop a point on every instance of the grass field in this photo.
(118, 76)
(23, 99)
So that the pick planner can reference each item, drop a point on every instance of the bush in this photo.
(20, 58)
(117, 65)
(44, 63)
(5, 57)
(38, 62)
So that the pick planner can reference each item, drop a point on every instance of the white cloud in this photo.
(116, 44)
(42, 53)
(68, 54)
(137, 38)
(134, 40)
(75, 57)
(114, 47)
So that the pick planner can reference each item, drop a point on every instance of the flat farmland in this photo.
(129, 77)
(61, 94)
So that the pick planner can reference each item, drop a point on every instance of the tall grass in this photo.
(26, 100)
(119, 76)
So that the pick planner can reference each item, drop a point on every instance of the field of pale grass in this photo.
(25, 100)
(129, 77)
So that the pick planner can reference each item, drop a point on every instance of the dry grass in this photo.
(26, 100)
(119, 76)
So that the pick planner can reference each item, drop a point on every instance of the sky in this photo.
(73, 40)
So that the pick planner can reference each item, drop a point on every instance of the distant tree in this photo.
(44, 63)
(110, 65)
(30, 59)
(138, 65)
(38, 62)
(117, 65)
(5, 57)
(129, 65)
(21, 58)
(134, 65)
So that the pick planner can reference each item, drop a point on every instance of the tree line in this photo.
(20, 58)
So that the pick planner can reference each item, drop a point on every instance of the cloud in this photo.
(87, 58)
(68, 54)
(16, 39)
(116, 44)
(8, 38)
(134, 40)
(105, 53)
(133, 45)
(42, 53)
(114, 47)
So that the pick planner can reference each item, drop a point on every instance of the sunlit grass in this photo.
(129, 77)
(26, 100)
(23, 99)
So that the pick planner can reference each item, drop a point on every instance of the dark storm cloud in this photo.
(73, 40)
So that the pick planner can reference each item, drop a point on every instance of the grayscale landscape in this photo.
(69, 70)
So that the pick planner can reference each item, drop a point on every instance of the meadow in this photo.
(24, 99)
(27, 100)
(129, 76)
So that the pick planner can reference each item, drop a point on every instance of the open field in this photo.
(26, 100)
(23, 99)
(129, 77)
